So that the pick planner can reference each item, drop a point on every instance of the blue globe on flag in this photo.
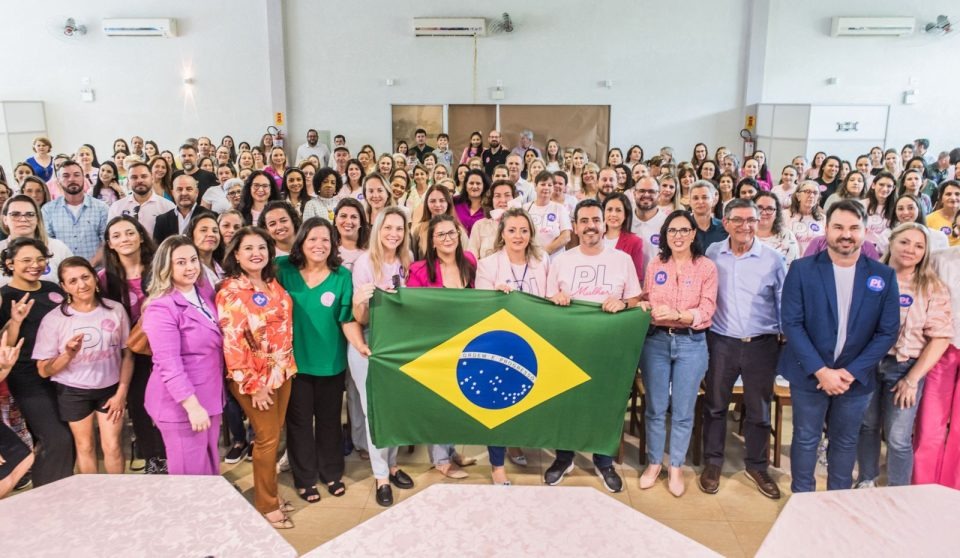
(496, 370)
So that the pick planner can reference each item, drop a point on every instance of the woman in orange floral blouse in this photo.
(256, 316)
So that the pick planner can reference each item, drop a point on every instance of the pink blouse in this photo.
(420, 278)
(921, 319)
(694, 292)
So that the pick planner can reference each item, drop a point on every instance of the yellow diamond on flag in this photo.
(496, 369)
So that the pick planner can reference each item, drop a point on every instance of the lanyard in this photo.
(519, 283)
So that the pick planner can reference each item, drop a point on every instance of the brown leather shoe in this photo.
(709, 480)
(765, 483)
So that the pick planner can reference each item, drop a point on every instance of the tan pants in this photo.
(266, 429)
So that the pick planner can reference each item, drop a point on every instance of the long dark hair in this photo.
(467, 270)
(778, 216)
(115, 276)
(696, 248)
(304, 196)
(889, 209)
(627, 209)
(464, 198)
(297, 256)
(246, 199)
(77, 261)
(99, 186)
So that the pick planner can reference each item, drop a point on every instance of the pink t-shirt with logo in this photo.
(610, 273)
(105, 332)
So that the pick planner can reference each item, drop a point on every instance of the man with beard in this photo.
(313, 147)
(647, 217)
(606, 183)
(175, 221)
(420, 148)
(595, 273)
(493, 155)
(188, 163)
(840, 314)
(76, 219)
(143, 204)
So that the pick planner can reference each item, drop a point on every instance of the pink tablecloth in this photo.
(511, 521)
(902, 522)
(136, 515)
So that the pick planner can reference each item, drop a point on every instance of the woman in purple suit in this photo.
(185, 391)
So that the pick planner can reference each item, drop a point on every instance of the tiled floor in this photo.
(733, 522)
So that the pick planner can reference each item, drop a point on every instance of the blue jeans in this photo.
(672, 367)
(897, 425)
(497, 455)
(844, 414)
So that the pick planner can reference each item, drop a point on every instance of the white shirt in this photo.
(649, 231)
(526, 189)
(216, 196)
(148, 212)
(320, 150)
(843, 276)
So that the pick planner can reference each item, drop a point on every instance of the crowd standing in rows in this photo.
(223, 282)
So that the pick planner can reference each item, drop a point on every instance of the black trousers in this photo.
(314, 433)
(149, 440)
(52, 439)
(756, 363)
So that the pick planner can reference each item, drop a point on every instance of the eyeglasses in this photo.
(684, 232)
(767, 209)
(740, 221)
(41, 261)
(449, 235)
(646, 192)
(26, 215)
(807, 192)
(259, 186)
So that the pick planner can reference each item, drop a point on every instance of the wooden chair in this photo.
(638, 422)
(781, 399)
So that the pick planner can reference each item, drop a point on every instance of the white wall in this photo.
(678, 67)
(138, 82)
(674, 83)
(801, 55)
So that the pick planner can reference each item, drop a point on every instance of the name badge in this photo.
(660, 278)
(260, 299)
(875, 283)
(906, 301)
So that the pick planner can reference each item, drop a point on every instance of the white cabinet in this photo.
(20, 122)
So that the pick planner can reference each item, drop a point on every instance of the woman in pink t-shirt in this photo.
(82, 347)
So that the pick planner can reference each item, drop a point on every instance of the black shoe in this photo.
(24, 482)
(611, 480)
(556, 472)
(401, 479)
(385, 495)
(236, 453)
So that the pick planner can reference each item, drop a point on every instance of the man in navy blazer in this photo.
(840, 316)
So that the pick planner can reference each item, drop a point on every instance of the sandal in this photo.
(336, 488)
(286, 507)
(285, 523)
(309, 495)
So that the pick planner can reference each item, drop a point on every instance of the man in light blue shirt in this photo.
(76, 219)
(744, 341)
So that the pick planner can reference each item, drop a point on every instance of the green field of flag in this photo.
(488, 368)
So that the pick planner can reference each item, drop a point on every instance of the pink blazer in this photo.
(187, 356)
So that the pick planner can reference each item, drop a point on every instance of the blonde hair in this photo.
(925, 280)
(161, 271)
(376, 249)
(533, 250)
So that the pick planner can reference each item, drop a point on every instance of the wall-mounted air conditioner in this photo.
(140, 27)
(872, 26)
(449, 26)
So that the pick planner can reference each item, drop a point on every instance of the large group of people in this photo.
(228, 284)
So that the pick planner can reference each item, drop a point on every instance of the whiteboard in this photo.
(22, 116)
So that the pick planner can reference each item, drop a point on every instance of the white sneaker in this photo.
(284, 464)
(866, 484)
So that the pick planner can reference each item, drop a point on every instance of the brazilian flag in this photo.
(488, 368)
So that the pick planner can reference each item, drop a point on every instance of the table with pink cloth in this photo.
(902, 521)
(136, 515)
(512, 521)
